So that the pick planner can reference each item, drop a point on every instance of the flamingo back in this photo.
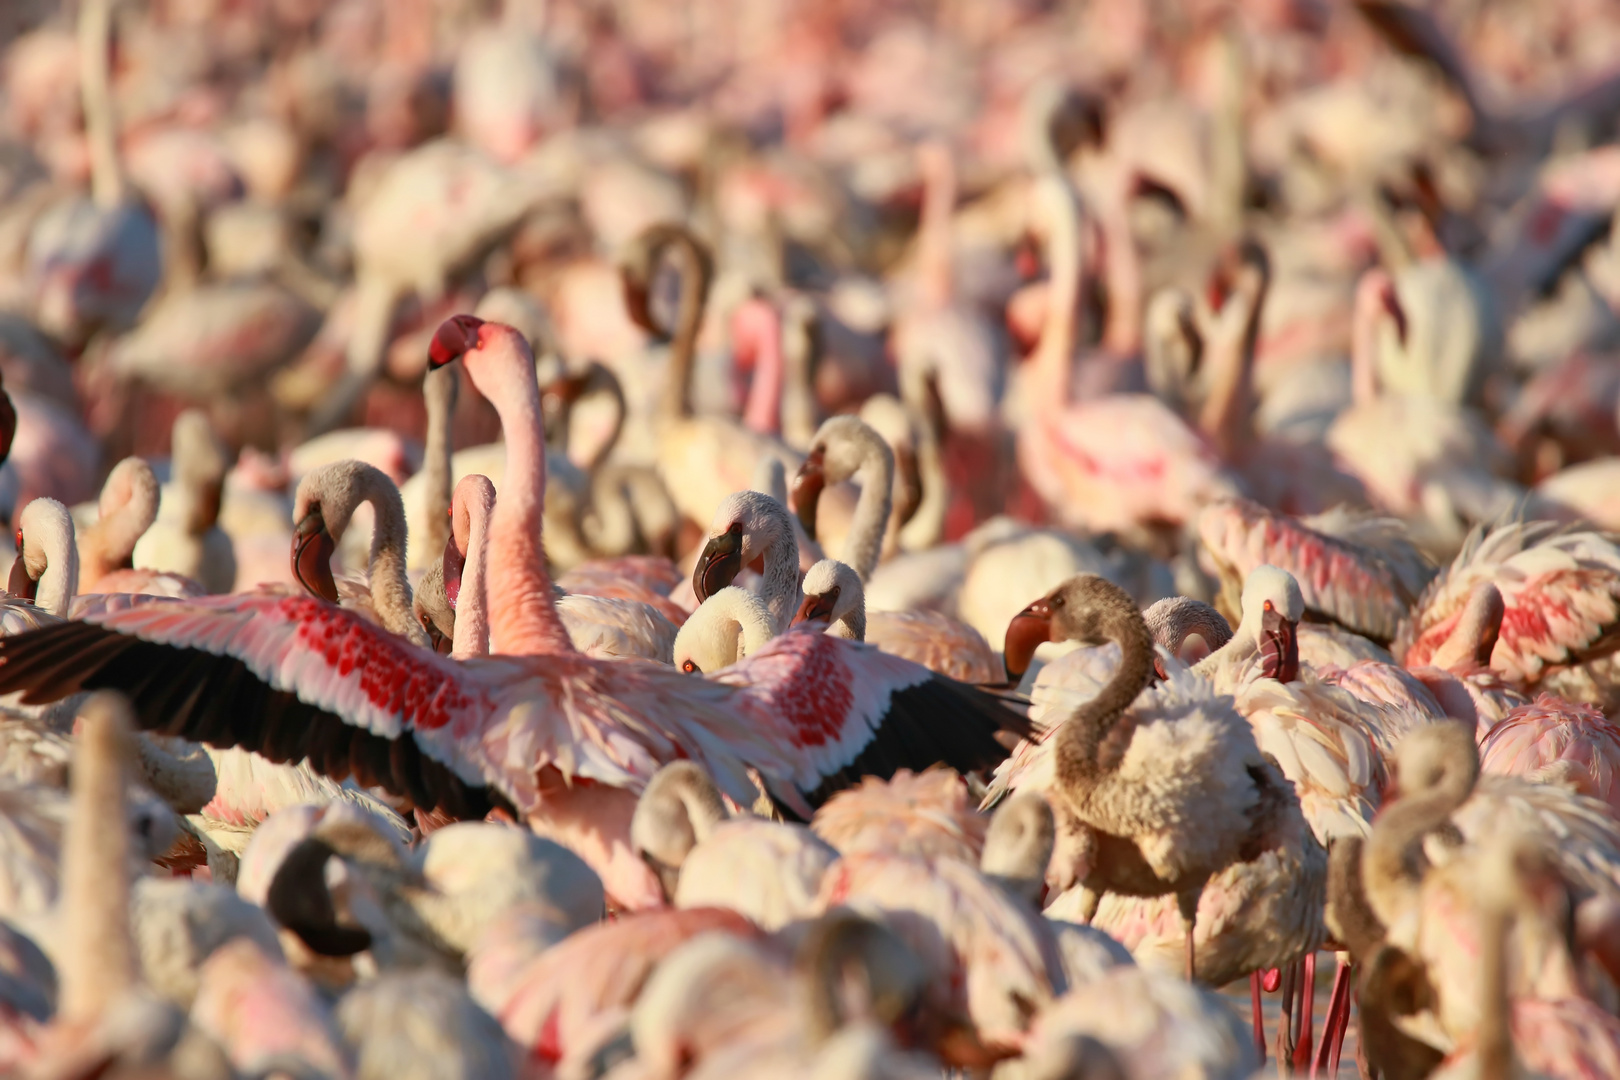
(1532, 740)
(926, 814)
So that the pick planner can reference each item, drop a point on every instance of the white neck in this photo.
(728, 626)
(472, 600)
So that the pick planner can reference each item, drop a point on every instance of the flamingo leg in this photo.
(1336, 1024)
(1188, 903)
(1302, 1051)
(1285, 1013)
(1259, 1016)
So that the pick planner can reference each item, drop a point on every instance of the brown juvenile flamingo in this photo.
(355, 701)
(1127, 812)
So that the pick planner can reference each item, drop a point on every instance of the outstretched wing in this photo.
(287, 677)
(849, 710)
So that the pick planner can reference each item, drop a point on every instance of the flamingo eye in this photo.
(19, 540)
(1269, 607)
(690, 667)
(1056, 602)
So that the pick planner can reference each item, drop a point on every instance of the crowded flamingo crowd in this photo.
(608, 539)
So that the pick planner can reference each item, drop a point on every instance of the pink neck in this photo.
(522, 608)
(1054, 352)
(756, 333)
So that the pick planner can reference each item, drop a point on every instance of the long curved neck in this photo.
(694, 273)
(1393, 862)
(757, 334)
(1081, 751)
(1368, 310)
(127, 511)
(781, 589)
(1173, 621)
(95, 40)
(439, 392)
(1054, 352)
(753, 620)
(1243, 643)
(471, 637)
(390, 589)
(602, 378)
(98, 951)
(876, 477)
(522, 607)
(59, 581)
(800, 342)
(927, 525)
(1227, 411)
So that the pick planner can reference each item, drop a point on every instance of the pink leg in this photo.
(1259, 1018)
(1302, 1051)
(1338, 1018)
(1344, 1028)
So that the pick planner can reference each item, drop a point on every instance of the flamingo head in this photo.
(455, 337)
(1272, 608)
(312, 548)
(21, 582)
(1086, 608)
(808, 483)
(720, 562)
(832, 591)
(434, 610)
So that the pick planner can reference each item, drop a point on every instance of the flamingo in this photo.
(127, 508)
(322, 507)
(768, 871)
(186, 538)
(846, 448)
(423, 1023)
(701, 459)
(1115, 805)
(1360, 572)
(438, 731)
(263, 1014)
(1559, 590)
(1118, 462)
(833, 594)
(46, 572)
(1560, 741)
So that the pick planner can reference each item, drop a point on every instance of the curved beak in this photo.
(312, 550)
(805, 491)
(817, 608)
(437, 640)
(1279, 646)
(1027, 631)
(19, 583)
(454, 337)
(719, 564)
(454, 563)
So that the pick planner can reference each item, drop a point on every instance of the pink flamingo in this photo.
(1557, 740)
(328, 686)
(927, 814)
(1560, 591)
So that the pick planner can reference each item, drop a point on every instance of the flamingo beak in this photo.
(805, 491)
(312, 557)
(455, 336)
(1279, 645)
(19, 583)
(1027, 631)
(454, 562)
(817, 608)
(719, 564)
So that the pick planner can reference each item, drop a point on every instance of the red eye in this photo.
(1268, 605)
(689, 667)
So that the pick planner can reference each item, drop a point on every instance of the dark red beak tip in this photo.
(454, 337)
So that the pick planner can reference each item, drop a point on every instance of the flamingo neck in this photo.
(1393, 862)
(523, 612)
(1364, 329)
(728, 626)
(95, 41)
(1054, 352)
(59, 578)
(694, 274)
(1226, 414)
(1474, 637)
(1082, 756)
(1122, 328)
(471, 637)
(129, 505)
(780, 588)
(850, 624)
(98, 952)
(871, 518)
(390, 588)
(439, 393)
(757, 335)
(935, 285)
(1173, 620)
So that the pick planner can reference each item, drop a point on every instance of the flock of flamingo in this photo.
(882, 540)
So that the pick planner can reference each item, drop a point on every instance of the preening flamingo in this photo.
(46, 571)
(127, 508)
(1130, 821)
(1560, 591)
(420, 725)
